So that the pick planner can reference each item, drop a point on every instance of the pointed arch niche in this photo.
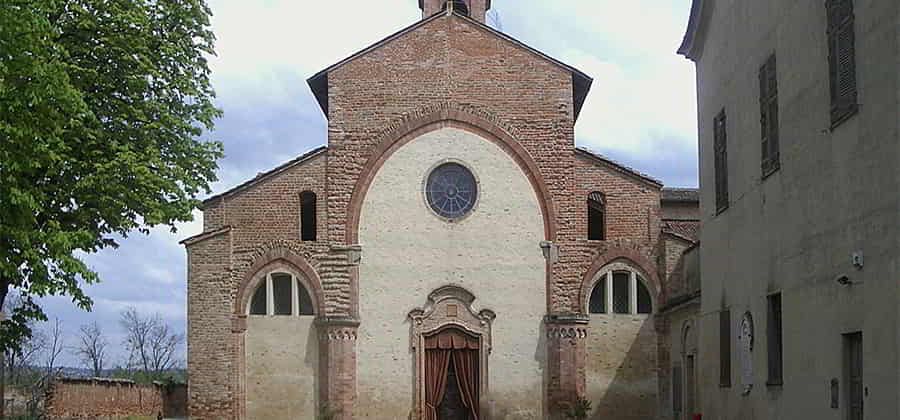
(448, 315)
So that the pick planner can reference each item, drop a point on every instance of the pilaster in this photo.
(566, 356)
(337, 365)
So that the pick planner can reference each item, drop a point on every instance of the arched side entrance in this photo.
(621, 350)
(451, 344)
(278, 364)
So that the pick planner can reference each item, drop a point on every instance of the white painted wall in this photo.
(408, 252)
(282, 360)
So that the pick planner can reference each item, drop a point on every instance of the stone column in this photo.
(566, 358)
(337, 365)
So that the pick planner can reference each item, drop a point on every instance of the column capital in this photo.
(337, 328)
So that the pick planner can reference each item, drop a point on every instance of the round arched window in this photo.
(451, 190)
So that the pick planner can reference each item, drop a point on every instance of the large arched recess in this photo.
(449, 118)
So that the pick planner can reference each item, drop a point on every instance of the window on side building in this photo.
(774, 340)
(725, 348)
(841, 60)
(768, 116)
(720, 148)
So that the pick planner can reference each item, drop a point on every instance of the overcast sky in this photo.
(641, 110)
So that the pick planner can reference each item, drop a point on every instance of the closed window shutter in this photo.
(725, 348)
(768, 110)
(842, 59)
(720, 147)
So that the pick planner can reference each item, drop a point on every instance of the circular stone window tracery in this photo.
(451, 190)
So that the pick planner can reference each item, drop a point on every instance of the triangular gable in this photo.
(581, 83)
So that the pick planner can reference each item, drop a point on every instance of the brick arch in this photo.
(270, 259)
(483, 126)
(632, 257)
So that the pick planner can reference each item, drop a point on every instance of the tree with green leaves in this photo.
(102, 104)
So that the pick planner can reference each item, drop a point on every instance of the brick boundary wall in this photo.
(92, 398)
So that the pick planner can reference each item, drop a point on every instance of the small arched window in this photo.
(281, 294)
(308, 216)
(620, 292)
(597, 216)
(459, 6)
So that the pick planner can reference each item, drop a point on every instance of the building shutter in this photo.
(774, 338)
(725, 348)
(768, 111)
(842, 60)
(720, 147)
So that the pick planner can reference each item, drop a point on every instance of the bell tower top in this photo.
(476, 9)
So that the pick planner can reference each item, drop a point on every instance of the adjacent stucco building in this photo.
(449, 253)
(800, 255)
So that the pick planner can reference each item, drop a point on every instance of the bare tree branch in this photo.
(55, 346)
(152, 345)
(92, 348)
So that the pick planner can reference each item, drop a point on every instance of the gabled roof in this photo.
(581, 83)
(692, 43)
(268, 174)
(620, 167)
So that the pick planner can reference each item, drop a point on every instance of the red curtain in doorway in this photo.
(451, 346)
(436, 364)
(465, 362)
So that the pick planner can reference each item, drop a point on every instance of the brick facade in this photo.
(446, 71)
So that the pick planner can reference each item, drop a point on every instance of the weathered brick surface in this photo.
(448, 70)
(102, 398)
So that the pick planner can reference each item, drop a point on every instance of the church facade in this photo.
(449, 254)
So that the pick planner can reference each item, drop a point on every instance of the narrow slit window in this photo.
(308, 216)
(596, 216)
(258, 303)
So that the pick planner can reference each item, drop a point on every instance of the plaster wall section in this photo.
(794, 231)
(409, 252)
(621, 367)
(282, 367)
